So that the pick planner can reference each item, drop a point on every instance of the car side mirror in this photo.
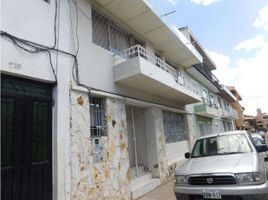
(187, 155)
(261, 148)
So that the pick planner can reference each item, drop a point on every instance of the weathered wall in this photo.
(109, 179)
(191, 131)
(161, 145)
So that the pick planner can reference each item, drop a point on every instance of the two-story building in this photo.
(94, 97)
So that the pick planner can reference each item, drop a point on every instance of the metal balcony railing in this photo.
(180, 78)
(208, 74)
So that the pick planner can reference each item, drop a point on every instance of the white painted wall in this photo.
(176, 151)
(96, 63)
(33, 20)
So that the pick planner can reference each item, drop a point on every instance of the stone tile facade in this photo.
(109, 179)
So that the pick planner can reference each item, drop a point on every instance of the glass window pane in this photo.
(41, 133)
(7, 130)
(174, 126)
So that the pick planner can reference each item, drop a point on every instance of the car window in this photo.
(221, 145)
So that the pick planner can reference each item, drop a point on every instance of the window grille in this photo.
(174, 126)
(109, 35)
(97, 125)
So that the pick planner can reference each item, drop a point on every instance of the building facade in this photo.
(214, 113)
(261, 120)
(239, 122)
(94, 99)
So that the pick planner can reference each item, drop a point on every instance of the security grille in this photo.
(174, 126)
(109, 35)
(137, 147)
(97, 125)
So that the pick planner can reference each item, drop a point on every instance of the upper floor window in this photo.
(212, 100)
(220, 102)
(109, 35)
(204, 95)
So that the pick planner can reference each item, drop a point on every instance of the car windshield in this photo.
(221, 145)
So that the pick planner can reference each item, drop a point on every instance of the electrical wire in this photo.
(34, 48)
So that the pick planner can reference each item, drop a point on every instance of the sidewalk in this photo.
(163, 192)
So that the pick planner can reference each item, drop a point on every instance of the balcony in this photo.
(205, 76)
(202, 68)
(229, 114)
(136, 67)
(207, 109)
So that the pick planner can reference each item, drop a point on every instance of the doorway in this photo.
(138, 156)
(26, 139)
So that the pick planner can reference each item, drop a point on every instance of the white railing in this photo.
(180, 78)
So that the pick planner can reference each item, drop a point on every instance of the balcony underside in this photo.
(138, 16)
(140, 74)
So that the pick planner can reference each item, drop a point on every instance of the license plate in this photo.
(211, 194)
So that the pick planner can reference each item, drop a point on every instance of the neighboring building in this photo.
(239, 122)
(261, 120)
(229, 115)
(213, 114)
(95, 99)
(249, 122)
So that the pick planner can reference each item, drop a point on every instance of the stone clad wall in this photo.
(161, 145)
(109, 179)
(191, 131)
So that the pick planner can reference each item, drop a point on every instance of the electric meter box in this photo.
(97, 150)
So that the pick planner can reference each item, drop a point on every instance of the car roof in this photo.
(223, 133)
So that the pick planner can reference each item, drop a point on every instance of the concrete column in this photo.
(156, 144)
(191, 131)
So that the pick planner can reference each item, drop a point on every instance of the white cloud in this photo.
(204, 2)
(248, 45)
(262, 20)
(223, 67)
(173, 2)
(249, 74)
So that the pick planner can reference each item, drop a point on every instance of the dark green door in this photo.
(26, 117)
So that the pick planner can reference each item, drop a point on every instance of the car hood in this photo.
(235, 163)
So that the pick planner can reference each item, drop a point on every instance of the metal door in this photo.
(137, 141)
(26, 170)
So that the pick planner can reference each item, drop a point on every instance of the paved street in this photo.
(164, 192)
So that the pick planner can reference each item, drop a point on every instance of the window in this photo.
(109, 35)
(210, 128)
(205, 96)
(212, 101)
(228, 107)
(220, 102)
(202, 128)
(174, 127)
(97, 125)
(225, 105)
(221, 145)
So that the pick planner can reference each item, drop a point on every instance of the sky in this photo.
(235, 35)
